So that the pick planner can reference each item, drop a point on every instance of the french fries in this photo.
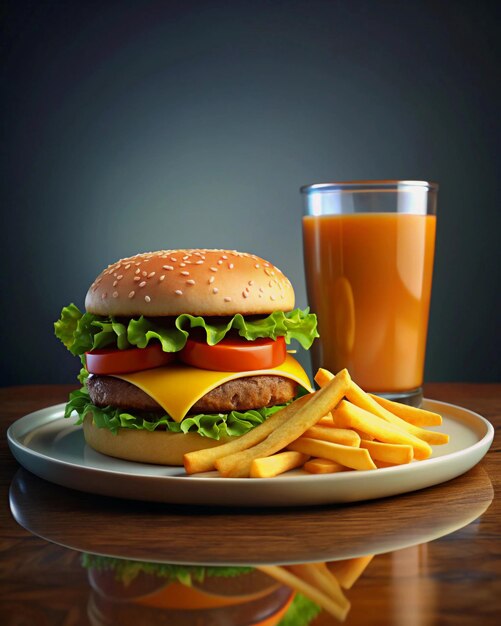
(344, 436)
(361, 399)
(318, 404)
(340, 426)
(411, 414)
(323, 466)
(389, 452)
(356, 458)
(276, 464)
(349, 571)
(301, 581)
(204, 460)
(348, 414)
(317, 575)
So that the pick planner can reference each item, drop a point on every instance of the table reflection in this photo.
(201, 535)
(100, 561)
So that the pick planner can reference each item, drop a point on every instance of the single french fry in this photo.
(323, 376)
(307, 415)
(319, 576)
(324, 466)
(395, 453)
(349, 571)
(326, 420)
(298, 584)
(349, 415)
(276, 464)
(356, 458)
(203, 460)
(357, 396)
(344, 436)
(411, 414)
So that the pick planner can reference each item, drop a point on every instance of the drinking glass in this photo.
(368, 253)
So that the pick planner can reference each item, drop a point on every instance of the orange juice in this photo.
(369, 282)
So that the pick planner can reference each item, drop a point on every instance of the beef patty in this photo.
(242, 394)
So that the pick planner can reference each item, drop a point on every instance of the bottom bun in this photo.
(158, 447)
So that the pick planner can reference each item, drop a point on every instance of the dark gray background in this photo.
(134, 126)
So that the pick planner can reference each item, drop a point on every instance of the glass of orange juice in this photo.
(368, 252)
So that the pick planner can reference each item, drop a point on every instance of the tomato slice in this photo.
(124, 361)
(234, 354)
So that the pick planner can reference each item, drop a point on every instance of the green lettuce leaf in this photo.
(126, 570)
(213, 426)
(301, 612)
(81, 332)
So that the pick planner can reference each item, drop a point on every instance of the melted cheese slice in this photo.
(176, 388)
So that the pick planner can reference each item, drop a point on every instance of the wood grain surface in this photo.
(438, 550)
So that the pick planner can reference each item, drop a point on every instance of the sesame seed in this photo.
(272, 298)
(219, 262)
(144, 273)
(261, 289)
(211, 280)
(115, 283)
(162, 277)
(245, 294)
(115, 294)
(215, 290)
(185, 273)
(224, 257)
(167, 267)
(213, 269)
(227, 299)
(178, 292)
(251, 282)
(136, 278)
(247, 289)
(147, 299)
(103, 295)
(186, 256)
(230, 266)
(127, 266)
(150, 274)
(199, 262)
(256, 266)
(120, 276)
(270, 284)
(142, 284)
(138, 271)
(132, 294)
(190, 282)
(182, 265)
(173, 259)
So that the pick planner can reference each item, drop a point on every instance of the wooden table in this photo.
(437, 551)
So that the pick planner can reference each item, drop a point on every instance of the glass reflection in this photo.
(135, 592)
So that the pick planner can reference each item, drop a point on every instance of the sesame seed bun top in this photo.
(200, 282)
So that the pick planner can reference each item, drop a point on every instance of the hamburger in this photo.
(183, 350)
(135, 592)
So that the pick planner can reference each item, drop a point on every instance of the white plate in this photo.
(53, 448)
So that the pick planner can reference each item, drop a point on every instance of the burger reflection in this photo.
(134, 592)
